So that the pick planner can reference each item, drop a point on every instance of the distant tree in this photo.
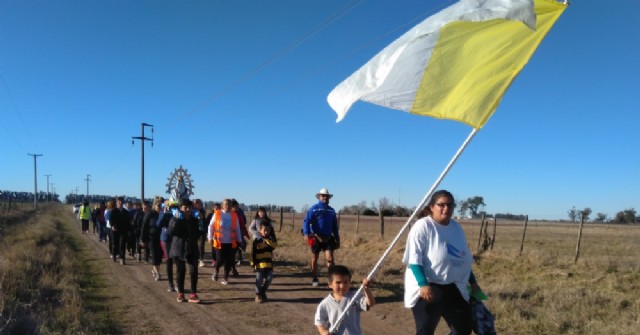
(601, 217)
(369, 212)
(385, 206)
(463, 206)
(402, 211)
(573, 214)
(473, 204)
(626, 216)
(361, 206)
(354, 209)
(585, 213)
(304, 209)
(509, 216)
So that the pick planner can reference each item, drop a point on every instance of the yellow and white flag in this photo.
(456, 64)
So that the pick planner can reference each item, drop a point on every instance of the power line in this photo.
(295, 44)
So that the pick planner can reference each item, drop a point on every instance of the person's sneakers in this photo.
(201, 264)
(264, 297)
(224, 282)
(214, 277)
(314, 281)
(258, 298)
(193, 298)
(235, 273)
(180, 297)
(171, 288)
(122, 261)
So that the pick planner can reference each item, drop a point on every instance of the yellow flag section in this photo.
(456, 64)
(474, 63)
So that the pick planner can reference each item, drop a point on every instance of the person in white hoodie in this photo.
(438, 263)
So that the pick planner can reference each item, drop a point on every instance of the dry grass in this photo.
(541, 291)
(47, 286)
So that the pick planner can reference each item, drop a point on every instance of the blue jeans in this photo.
(263, 280)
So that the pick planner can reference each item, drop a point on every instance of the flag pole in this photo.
(406, 225)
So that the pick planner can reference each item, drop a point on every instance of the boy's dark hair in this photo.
(267, 226)
(338, 270)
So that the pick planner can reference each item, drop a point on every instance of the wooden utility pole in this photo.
(142, 138)
(35, 180)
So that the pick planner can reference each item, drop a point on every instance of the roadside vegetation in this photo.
(47, 284)
(541, 291)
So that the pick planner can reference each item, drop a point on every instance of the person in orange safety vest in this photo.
(225, 236)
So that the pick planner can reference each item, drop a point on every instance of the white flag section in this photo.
(393, 77)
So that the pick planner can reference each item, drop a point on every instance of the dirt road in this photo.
(145, 306)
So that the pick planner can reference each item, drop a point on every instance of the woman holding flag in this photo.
(438, 263)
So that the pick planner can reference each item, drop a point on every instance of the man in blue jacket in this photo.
(320, 230)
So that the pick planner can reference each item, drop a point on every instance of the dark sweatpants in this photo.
(449, 305)
(119, 242)
(193, 273)
(225, 256)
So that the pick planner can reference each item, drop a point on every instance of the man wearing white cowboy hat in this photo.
(320, 230)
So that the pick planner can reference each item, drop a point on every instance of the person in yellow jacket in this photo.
(85, 214)
(225, 236)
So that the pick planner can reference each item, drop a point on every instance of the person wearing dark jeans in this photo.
(165, 238)
(120, 222)
(184, 232)
(200, 214)
(225, 236)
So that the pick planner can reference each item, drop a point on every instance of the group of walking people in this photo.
(178, 233)
(439, 282)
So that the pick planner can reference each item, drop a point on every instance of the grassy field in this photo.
(540, 291)
(48, 287)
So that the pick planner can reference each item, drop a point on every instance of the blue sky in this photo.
(236, 91)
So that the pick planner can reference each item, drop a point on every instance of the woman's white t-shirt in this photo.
(443, 253)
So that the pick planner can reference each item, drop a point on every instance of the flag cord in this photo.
(415, 212)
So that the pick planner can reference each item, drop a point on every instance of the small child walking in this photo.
(261, 259)
(333, 305)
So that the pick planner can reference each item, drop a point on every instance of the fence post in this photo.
(524, 231)
(480, 234)
(357, 222)
(494, 231)
(293, 220)
(381, 224)
(281, 218)
(579, 239)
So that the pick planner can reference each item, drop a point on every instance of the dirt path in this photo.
(145, 306)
